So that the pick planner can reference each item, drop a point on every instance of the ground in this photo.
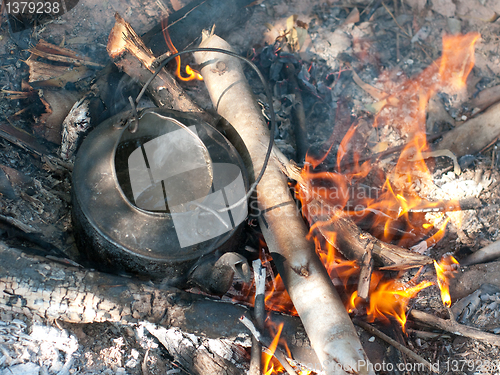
(383, 42)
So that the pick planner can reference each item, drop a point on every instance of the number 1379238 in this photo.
(32, 7)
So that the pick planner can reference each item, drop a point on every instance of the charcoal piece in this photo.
(6, 187)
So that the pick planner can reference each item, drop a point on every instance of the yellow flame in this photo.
(445, 270)
(192, 74)
(390, 298)
(268, 367)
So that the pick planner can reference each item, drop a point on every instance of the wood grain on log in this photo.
(53, 290)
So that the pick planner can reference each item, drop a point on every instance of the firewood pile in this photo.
(366, 236)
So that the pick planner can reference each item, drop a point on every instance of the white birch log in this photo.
(318, 304)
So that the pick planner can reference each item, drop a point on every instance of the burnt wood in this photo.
(32, 284)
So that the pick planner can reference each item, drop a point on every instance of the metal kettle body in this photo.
(158, 201)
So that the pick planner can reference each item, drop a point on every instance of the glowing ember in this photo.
(192, 74)
(445, 269)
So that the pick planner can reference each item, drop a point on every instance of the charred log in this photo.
(56, 290)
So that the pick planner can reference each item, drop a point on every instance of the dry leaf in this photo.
(373, 91)
(380, 147)
(353, 17)
(295, 35)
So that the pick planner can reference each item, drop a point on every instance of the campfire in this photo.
(255, 197)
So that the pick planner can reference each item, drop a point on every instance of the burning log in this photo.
(325, 319)
(131, 55)
(55, 290)
(352, 242)
(473, 135)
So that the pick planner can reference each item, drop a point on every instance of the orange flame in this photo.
(390, 298)
(352, 303)
(438, 236)
(192, 74)
(386, 208)
(394, 211)
(277, 298)
(445, 269)
(395, 203)
(270, 364)
(458, 59)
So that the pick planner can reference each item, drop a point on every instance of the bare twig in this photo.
(278, 354)
(455, 328)
(259, 312)
(490, 252)
(397, 345)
